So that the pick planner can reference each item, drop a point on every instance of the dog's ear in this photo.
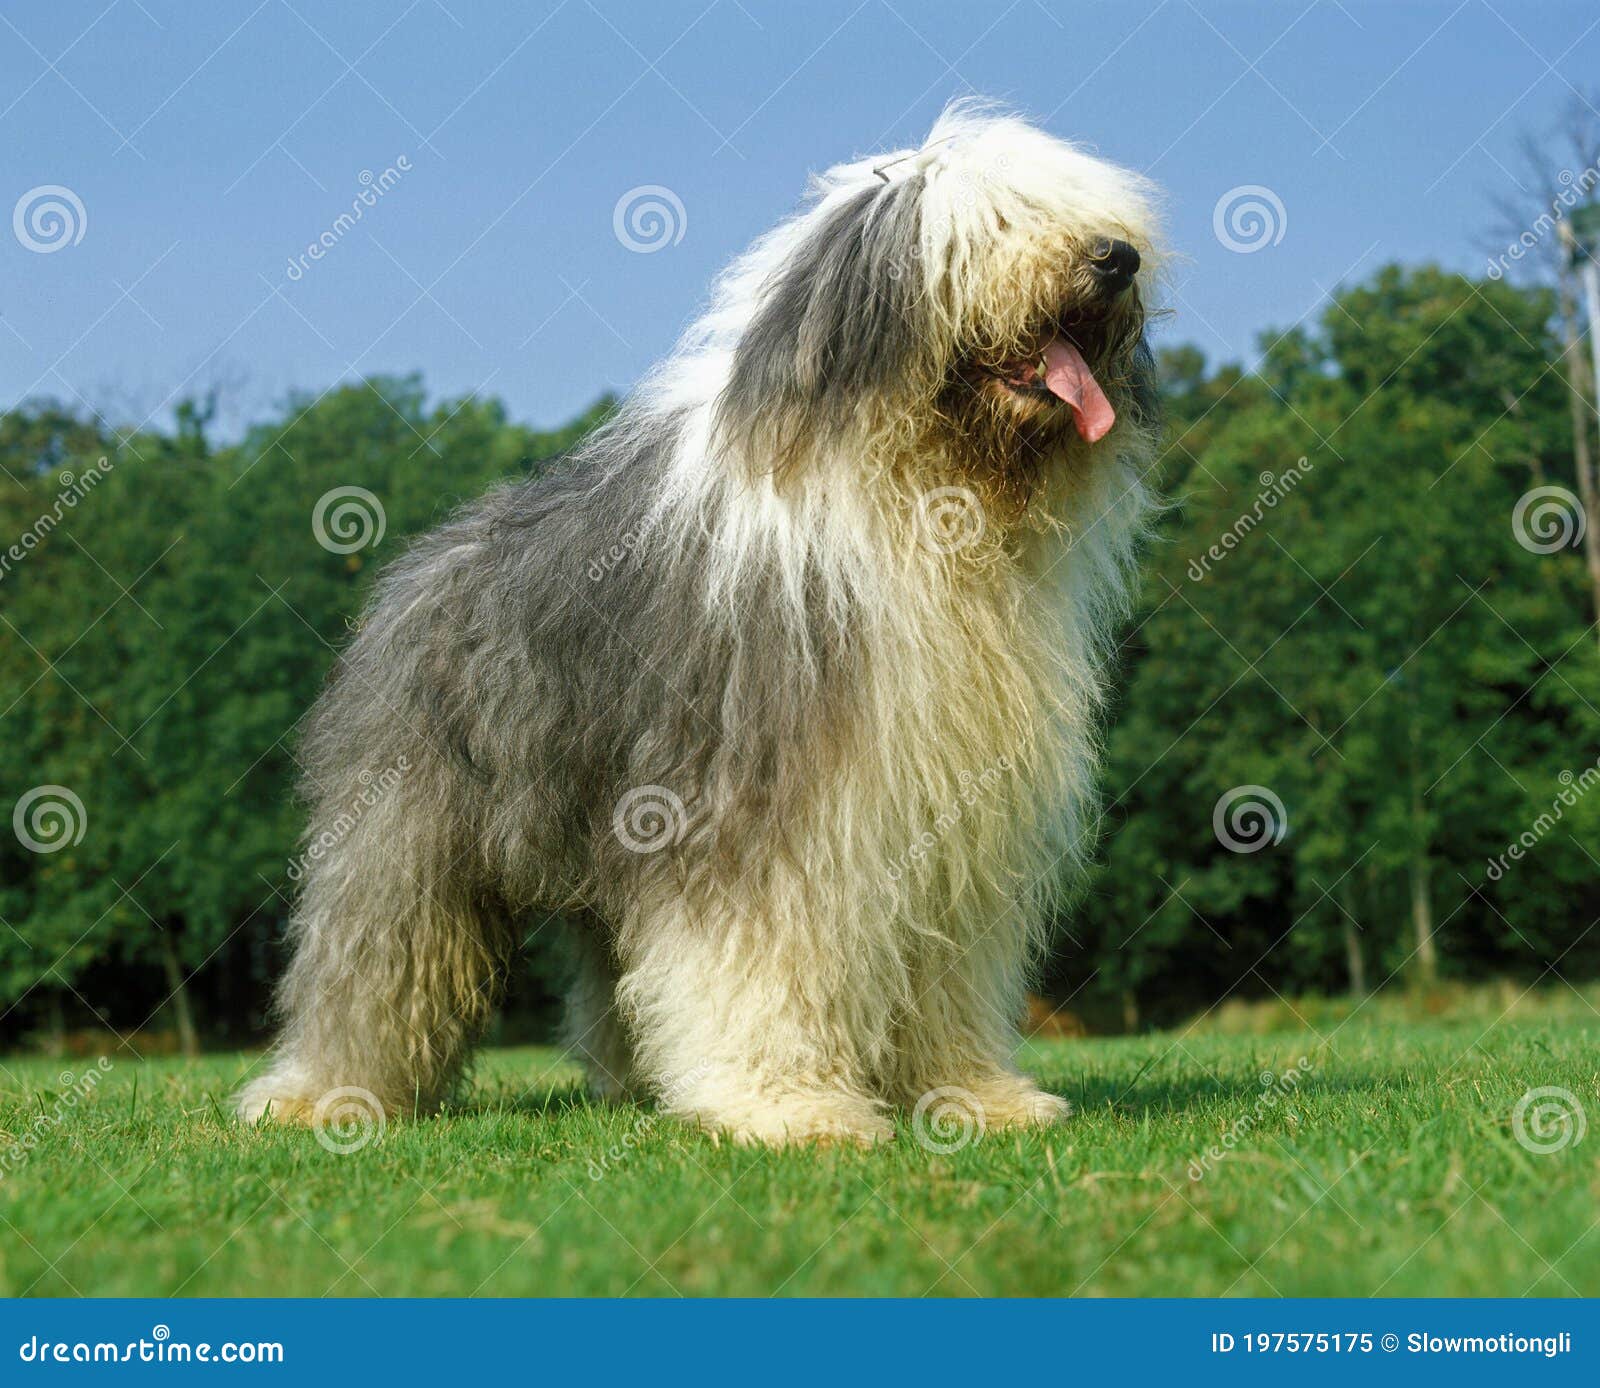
(839, 321)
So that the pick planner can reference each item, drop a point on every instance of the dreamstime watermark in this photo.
(47, 819)
(614, 555)
(1249, 218)
(75, 1089)
(347, 519)
(1575, 188)
(948, 519)
(1573, 789)
(348, 1118)
(74, 487)
(373, 187)
(1275, 1089)
(160, 1348)
(1248, 818)
(1547, 519)
(49, 218)
(666, 1096)
(959, 188)
(1273, 490)
(947, 1119)
(1548, 1120)
(649, 218)
(649, 818)
(971, 790)
(373, 790)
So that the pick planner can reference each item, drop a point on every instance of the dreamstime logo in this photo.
(1276, 1089)
(649, 218)
(1273, 490)
(75, 1090)
(648, 819)
(373, 187)
(1547, 519)
(970, 790)
(1573, 788)
(334, 832)
(347, 519)
(949, 519)
(947, 1119)
(73, 490)
(1548, 1120)
(48, 819)
(1576, 188)
(348, 1119)
(1247, 818)
(1249, 218)
(49, 218)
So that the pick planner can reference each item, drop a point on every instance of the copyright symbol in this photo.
(1390, 1343)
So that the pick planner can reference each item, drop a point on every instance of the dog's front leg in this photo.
(743, 1026)
(956, 1045)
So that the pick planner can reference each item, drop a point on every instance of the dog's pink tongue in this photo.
(1067, 375)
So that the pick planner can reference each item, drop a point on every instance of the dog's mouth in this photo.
(1061, 372)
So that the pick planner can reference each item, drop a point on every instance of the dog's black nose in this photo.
(1115, 262)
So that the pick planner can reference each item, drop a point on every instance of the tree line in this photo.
(1356, 712)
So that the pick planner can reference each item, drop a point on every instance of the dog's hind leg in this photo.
(397, 962)
(742, 1026)
(593, 1028)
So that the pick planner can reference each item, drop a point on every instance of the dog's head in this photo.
(981, 300)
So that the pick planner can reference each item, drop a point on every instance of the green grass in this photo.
(1392, 1169)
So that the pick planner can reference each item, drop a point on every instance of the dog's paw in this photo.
(797, 1121)
(978, 1108)
(253, 1108)
(1030, 1109)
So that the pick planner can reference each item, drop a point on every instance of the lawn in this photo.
(1360, 1155)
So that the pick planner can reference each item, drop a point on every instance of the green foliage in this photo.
(165, 634)
(1341, 613)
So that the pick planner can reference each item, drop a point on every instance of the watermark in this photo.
(972, 790)
(1575, 189)
(666, 1096)
(649, 218)
(1248, 818)
(49, 218)
(74, 487)
(1549, 1120)
(373, 187)
(75, 1089)
(1275, 1090)
(649, 818)
(49, 818)
(347, 519)
(1547, 519)
(160, 1348)
(1273, 490)
(1573, 789)
(373, 790)
(1249, 218)
(962, 190)
(947, 1119)
(348, 1118)
(948, 519)
(614, 555)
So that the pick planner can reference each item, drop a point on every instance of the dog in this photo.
(782, 692)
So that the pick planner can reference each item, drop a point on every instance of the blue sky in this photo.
(210, 143)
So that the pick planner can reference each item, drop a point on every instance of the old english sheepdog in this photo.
(781, 691)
